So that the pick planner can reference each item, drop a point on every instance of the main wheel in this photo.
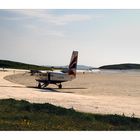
(39, 85)
(60, 86)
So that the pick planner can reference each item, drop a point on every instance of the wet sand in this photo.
(106, 93)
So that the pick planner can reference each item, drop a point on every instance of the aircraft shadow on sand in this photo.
(56, 89)
(45, 89)
(13, 86)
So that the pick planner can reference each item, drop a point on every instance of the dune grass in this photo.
(22, 115)
(19, 65)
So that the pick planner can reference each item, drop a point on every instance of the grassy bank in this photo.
(22, 115)
(127, 66)
(19, 65)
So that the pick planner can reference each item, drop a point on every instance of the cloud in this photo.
(42, 21)
(45, 16)
(65, 19)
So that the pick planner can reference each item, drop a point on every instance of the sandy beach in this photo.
(105, 93)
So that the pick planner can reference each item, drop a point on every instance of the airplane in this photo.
(57, 78)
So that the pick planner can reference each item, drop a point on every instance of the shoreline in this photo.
(70, 96)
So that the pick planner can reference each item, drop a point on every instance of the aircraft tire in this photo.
(39, 85)
(60, 86)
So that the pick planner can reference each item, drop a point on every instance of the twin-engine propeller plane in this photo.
(57, 78)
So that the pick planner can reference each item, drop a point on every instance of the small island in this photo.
(125, 66)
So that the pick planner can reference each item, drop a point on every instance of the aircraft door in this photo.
(49, 76)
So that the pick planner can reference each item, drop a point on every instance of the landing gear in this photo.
(42, 85)
(60, 86)
(39, 85)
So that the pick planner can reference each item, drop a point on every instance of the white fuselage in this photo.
(56, 77)
(45, 79)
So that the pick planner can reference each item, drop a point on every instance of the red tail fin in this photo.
(73, 63)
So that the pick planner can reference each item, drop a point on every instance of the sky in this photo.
(48, 37)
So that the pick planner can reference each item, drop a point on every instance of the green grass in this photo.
(127, 66)
(19, 65)
(22, 115)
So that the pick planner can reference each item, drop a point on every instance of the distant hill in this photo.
(19, 65)
(79, 67)
(83, 67)
(126, 66)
